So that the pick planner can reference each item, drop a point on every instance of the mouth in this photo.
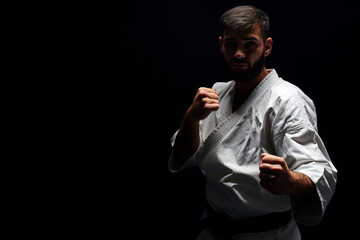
(239, 62)
(238, 65)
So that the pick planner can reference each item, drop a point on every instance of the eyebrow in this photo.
(252, 38)
(246, 39)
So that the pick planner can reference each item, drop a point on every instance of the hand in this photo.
(275, 176)
(205, 101)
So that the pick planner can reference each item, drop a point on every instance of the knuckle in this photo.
(205, 100)
(202, 92)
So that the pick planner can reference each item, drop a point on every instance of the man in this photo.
(255, 139)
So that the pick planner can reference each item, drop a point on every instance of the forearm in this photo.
(187, 141)
(303, 189)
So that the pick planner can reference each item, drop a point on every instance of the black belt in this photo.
(224, 227)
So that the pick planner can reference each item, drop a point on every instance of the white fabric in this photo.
(277, 118)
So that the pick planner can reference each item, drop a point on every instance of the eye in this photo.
(230, 44)
(250, 44)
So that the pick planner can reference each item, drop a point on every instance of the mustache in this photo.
(238, 61)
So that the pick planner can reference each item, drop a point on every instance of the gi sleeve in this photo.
(188, 164)
(299, 143)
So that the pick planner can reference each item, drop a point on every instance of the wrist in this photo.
(190, 118)
(294, 184)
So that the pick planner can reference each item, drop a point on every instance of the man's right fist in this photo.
(206, 100)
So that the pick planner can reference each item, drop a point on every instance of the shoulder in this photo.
(288, 92)
(292, 103)
(289, 95)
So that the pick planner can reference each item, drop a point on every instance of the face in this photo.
(244, 52)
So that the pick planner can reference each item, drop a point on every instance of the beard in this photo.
(247, 75)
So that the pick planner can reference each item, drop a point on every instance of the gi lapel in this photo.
(214, 139)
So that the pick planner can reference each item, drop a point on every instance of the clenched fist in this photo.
(276, 177)
(206, 100)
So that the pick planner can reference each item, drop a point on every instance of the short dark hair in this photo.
(244, 17)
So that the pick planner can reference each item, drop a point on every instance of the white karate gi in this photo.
(277, 118)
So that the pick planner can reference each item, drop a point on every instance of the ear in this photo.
(221, 44)
(268, 46)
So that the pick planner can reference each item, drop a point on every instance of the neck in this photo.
(244, 89)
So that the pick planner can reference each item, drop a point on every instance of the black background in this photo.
(126, 74)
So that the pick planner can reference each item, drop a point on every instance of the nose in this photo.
(239, 54)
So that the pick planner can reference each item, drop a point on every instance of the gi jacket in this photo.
(277, 118)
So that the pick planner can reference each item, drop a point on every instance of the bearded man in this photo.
(256, 141)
